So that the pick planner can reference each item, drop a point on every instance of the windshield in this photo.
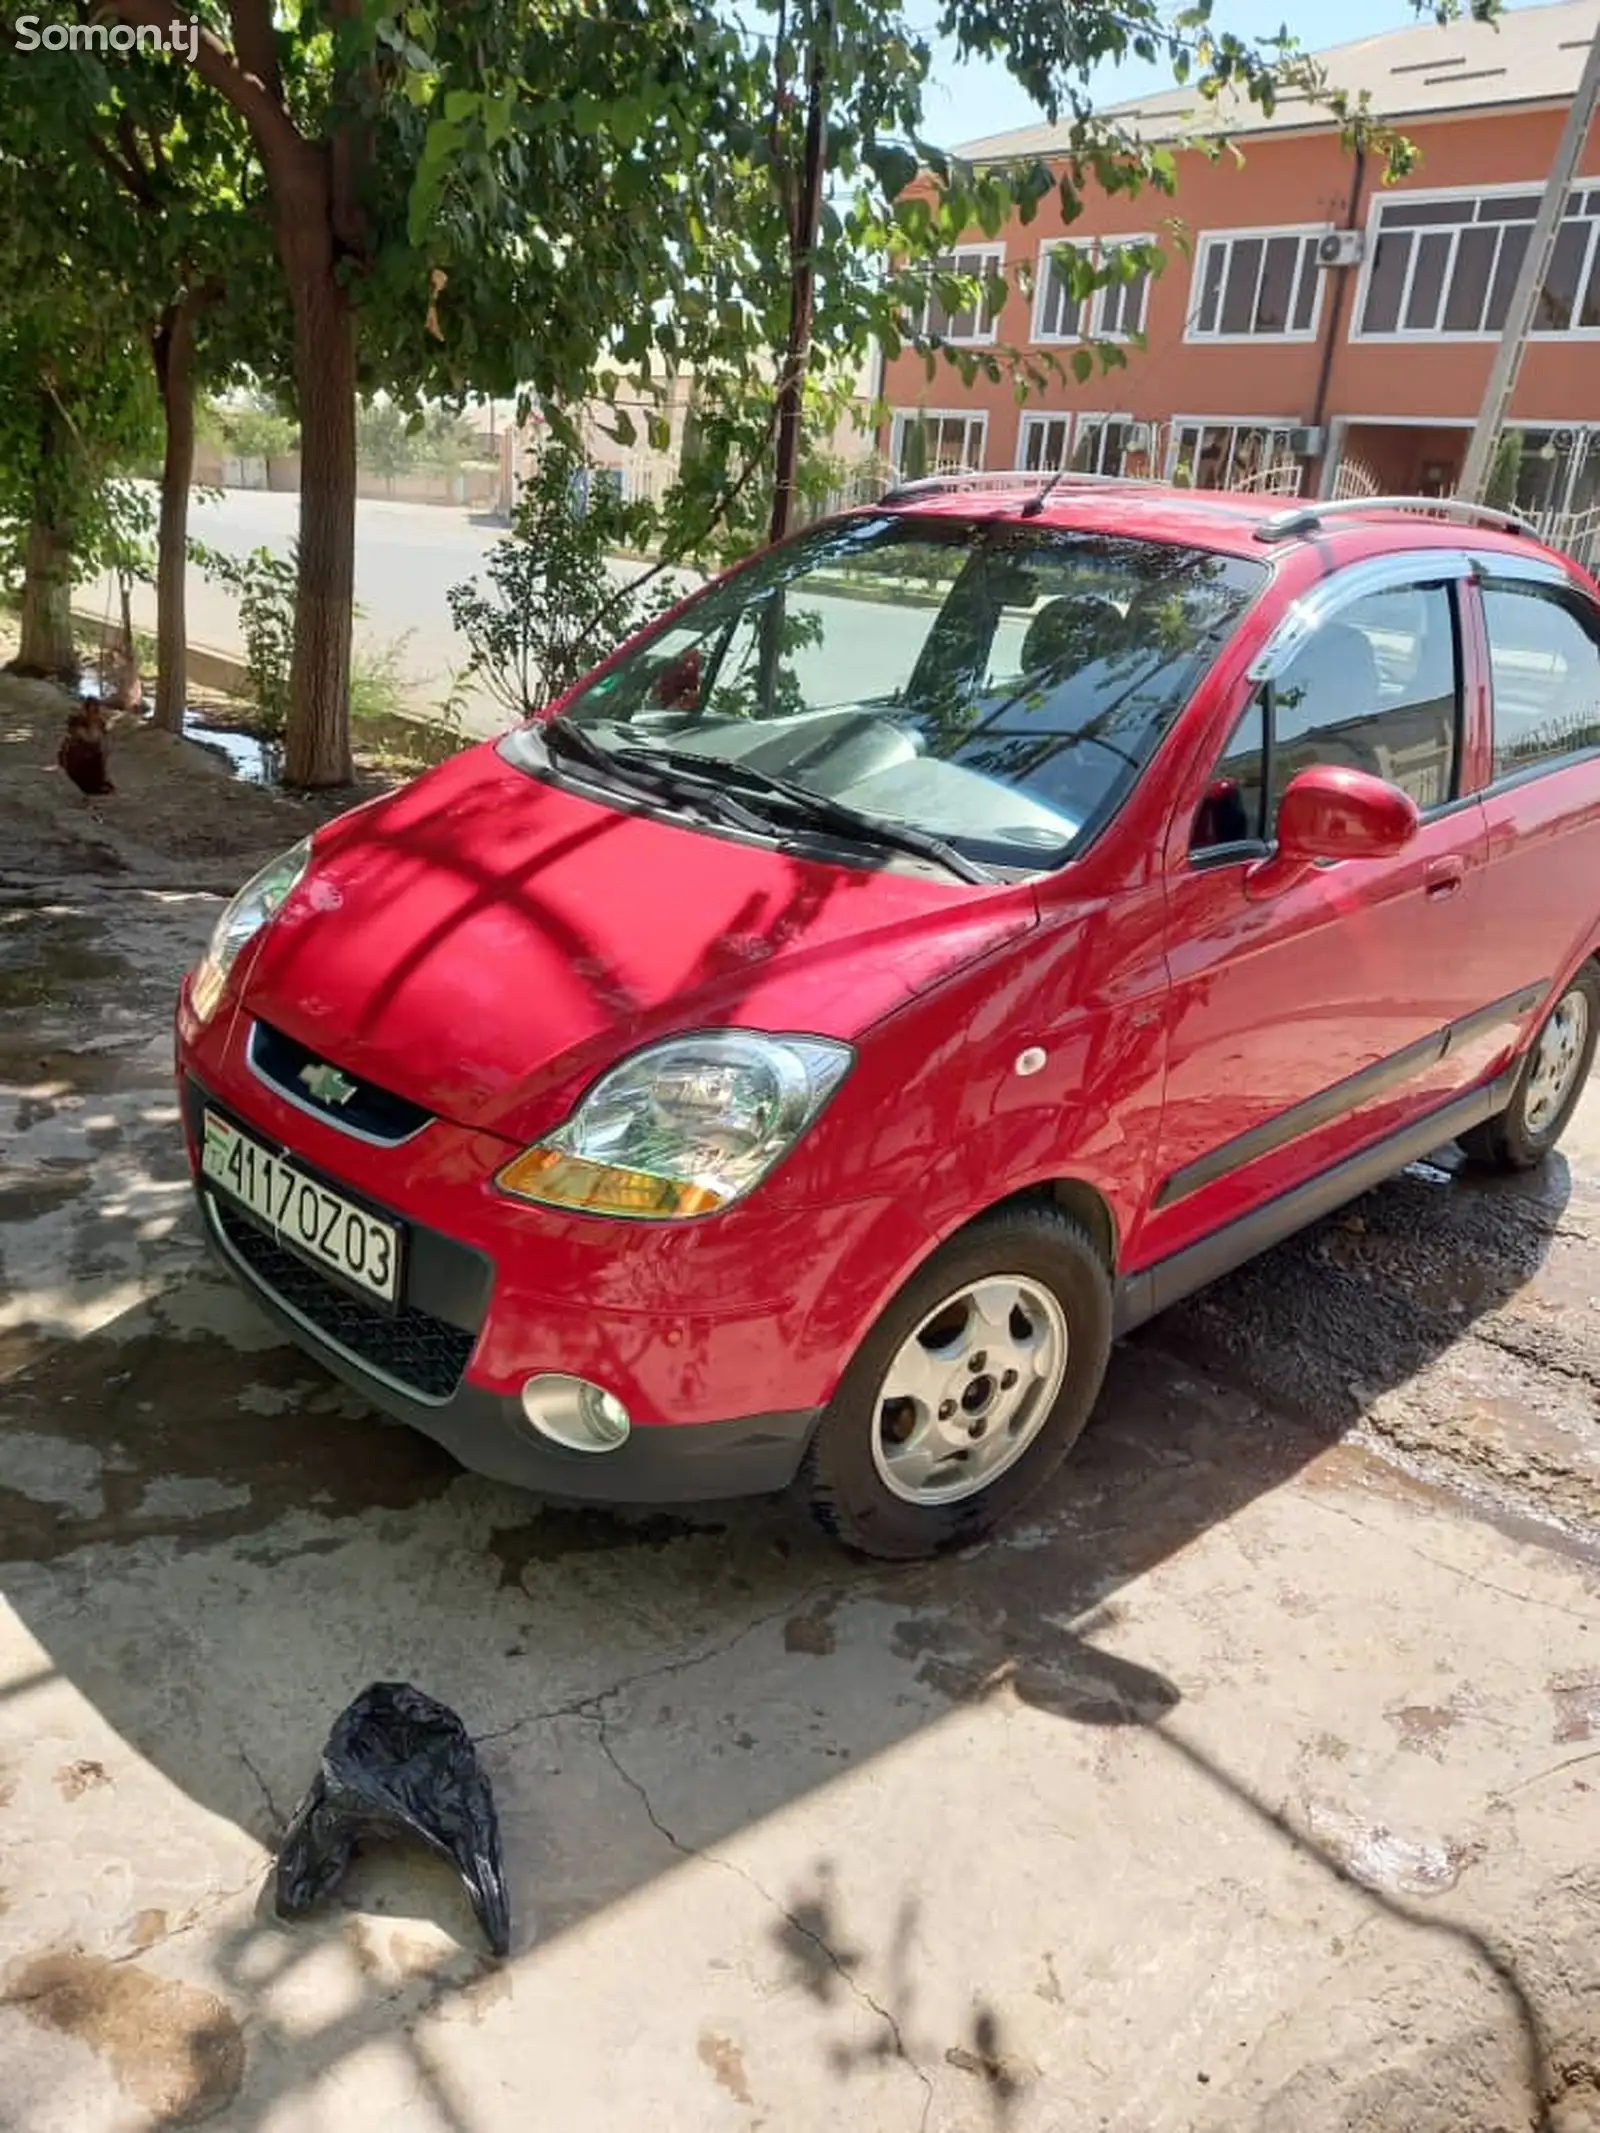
(997, 687)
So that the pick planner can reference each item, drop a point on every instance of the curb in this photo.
(204, 663)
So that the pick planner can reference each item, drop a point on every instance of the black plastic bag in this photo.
(397, 1764)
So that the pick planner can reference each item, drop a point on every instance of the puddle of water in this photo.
(251, 759)
(55, 969)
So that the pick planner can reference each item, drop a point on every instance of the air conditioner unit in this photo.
(1341, 248)
(1307, 442)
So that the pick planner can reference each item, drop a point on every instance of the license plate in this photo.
(322, 1224)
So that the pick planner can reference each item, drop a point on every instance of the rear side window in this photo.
(1544, 653)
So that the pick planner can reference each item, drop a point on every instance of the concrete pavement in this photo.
(1248, 1785)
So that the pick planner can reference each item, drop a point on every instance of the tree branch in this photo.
(275, 132)
(142, 173)
(253, 41)
(349, 146)
(130, 178)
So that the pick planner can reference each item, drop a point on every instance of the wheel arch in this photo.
(1072, 1196)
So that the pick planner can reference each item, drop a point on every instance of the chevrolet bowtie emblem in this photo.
(326, 1085)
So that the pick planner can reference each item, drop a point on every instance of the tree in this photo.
(383, 439)
(1505, 473)
(450, 216)
(835, 221)
(75, 404)
(132, 187)
(547, 612)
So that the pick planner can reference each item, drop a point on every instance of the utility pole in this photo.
(1530, 281)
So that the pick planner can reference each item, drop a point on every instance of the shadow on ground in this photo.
(217, 1548)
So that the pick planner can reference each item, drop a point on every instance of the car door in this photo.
(1310, 1022)
(1542, 804)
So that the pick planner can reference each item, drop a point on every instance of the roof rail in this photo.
(1306, 518)
(1000, 481)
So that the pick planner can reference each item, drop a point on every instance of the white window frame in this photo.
(1401, 336)
(1096, 423)
(994, 257)
(1192, 332)
(1037, 419)
(1272, 425)
(900, 416)
(1091, 309)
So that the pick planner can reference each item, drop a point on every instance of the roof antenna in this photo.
(1036, 504)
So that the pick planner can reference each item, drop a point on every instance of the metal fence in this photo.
(1575, 533)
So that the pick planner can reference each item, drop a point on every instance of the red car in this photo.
(936, 947)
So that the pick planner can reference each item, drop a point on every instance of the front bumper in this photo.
(693, 1332)
(488, 1432)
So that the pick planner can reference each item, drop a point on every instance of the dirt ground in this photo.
(1251, 1784)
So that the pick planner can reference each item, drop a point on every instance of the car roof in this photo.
(1226, 520)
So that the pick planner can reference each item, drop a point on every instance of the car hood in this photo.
(485, 943)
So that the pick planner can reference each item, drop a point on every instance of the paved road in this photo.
(407, 558)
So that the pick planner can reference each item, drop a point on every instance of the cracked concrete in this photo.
(1248, 1785)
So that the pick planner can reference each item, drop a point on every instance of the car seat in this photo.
(1069, 632)
(1328, 707)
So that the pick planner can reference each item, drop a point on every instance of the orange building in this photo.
(1324, 330)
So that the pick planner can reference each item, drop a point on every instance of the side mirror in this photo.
(1328, 812)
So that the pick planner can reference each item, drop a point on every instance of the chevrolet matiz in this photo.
(939, 944)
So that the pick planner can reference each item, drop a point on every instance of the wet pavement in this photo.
(1251, 1782)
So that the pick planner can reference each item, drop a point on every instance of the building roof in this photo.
(1532, 55)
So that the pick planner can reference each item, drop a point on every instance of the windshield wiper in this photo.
(816, 808)
(632, 769)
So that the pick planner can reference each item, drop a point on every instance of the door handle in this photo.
(1442, 877)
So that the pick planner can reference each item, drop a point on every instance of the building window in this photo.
(1105, 444)
(979, 261)
(1444, 268)
(1256, 285)
(1113, 313)
(1042, 443)
(1234, 455)
(936, 441)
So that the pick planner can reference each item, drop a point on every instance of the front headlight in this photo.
(682, 1128)
(241, 921)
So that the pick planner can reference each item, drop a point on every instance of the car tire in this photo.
(969, 1391)
(1550, 1085)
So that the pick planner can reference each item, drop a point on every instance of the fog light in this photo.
(571, 1411)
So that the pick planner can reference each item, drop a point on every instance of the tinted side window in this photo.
(1377, 688)
(1544, 653)
(1231, 811)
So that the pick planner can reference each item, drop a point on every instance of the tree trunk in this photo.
(47, 650)
(173, 350)
(316, 749)
(802, 282)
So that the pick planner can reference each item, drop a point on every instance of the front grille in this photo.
(423, 1353)
(373, 1113)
